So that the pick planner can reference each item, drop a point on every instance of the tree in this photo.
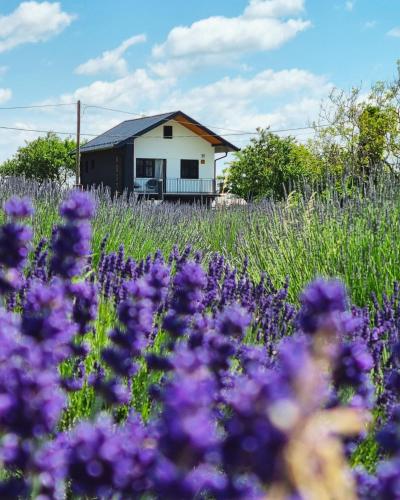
(358, 134)
(45, 158)
(270, 166)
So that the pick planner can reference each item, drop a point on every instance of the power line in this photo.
(20, 129)
(114, 110)
(3, 127)
(38, 106)
(239, 132)
(170, 119)
(235, 132)
(123, 137)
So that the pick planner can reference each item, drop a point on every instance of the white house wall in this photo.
(185, 145)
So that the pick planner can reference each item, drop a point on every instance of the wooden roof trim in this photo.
(197, 129)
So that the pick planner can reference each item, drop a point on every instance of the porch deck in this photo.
(175, 186)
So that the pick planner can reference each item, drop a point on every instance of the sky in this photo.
(234, 65)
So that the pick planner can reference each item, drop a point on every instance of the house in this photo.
(168, 156)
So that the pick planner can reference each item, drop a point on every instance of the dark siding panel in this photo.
(128, 177)
(102, 168)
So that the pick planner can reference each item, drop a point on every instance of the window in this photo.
(189, 169)
(168, 132)
(145, 168)
(86, 166)
(92, 164)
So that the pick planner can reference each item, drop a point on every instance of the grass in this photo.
(353, 238)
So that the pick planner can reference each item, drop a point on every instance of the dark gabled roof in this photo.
(130, 129)
(124, 131)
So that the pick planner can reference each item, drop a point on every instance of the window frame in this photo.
(142, 174)
(170, 128)
(186, 175)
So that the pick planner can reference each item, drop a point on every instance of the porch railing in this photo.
(175, 186)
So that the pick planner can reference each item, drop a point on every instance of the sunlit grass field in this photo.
(353, 237)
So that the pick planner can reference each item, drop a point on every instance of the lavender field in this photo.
(183, 353)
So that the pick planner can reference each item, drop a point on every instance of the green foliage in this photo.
(357, 138)
(45, 158)
(351, 234)
(358, 134)
(270, 166)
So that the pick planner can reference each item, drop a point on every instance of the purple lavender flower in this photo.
(71, 246)
(352, 364)
(104, 460)
(76, 381)
(18, 208)
(322, 304)
(120, 361)
(252, 443)
(50, 468)
(366, 484)
(189, 283)
(46, 318)
(111, 390)
(158, 279)
(71, 243)
(389, 436)
(187, 432)
(13, 488)
(85, 305)
(14, 244)
(233, 322)
(15, 452)
(31, 399)
(78, 206)
(388, 475)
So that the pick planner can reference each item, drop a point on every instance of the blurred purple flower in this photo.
(15, 240)
(18, 208)
(233, 322)
(322, 304)
(78, 206)
(85, 304)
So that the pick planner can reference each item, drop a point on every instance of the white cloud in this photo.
(244, 103)
(349, 6)
(3, 70)
(273, 8)
(395, 32)
(265, 83)
(279, 99)
(175, 67)
(130, 90)
(32, 22)
(110, 60)
(5, 95)
(215, 39)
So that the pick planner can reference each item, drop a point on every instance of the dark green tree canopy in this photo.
(270, 166)
(45, 158)
(356, 140)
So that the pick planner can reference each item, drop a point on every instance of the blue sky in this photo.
(238, 64)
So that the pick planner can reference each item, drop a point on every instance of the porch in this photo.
(174, 186)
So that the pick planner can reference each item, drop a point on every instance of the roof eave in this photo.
(226, 148)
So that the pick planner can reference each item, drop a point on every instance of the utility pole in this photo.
(78, 143)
